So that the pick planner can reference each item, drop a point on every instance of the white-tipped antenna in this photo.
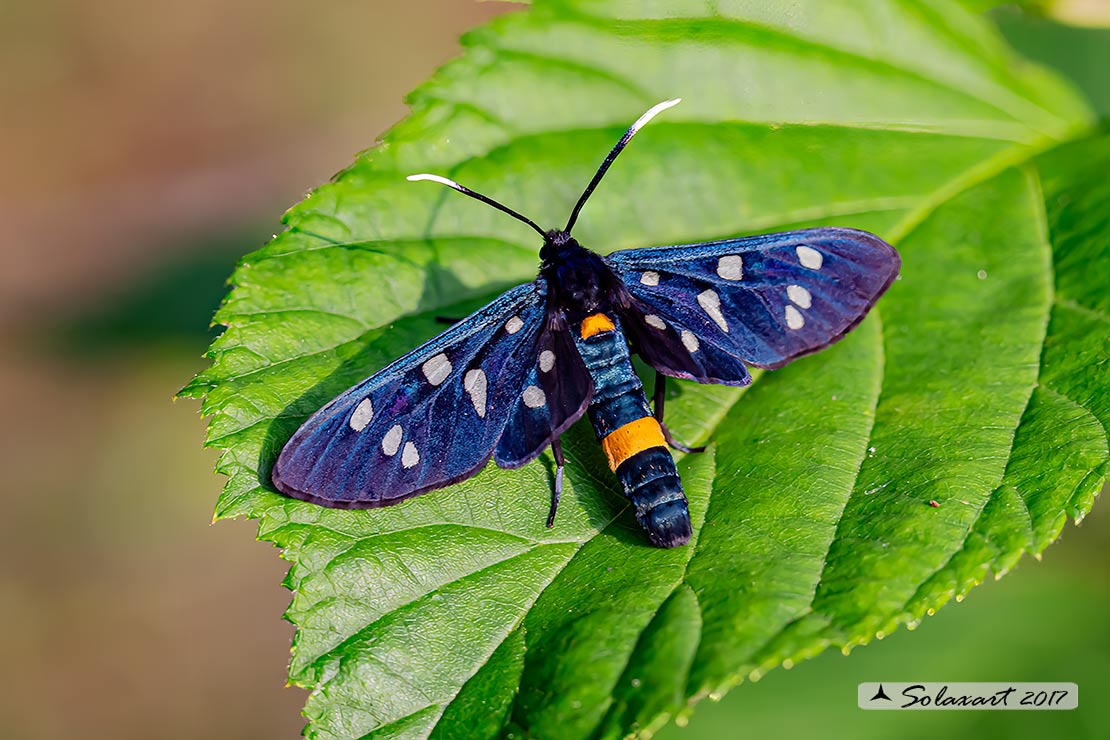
(651, 113)
(467, 191)
(434, 178)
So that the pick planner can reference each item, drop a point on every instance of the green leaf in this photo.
(846, 494)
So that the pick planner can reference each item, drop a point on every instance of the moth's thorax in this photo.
(579, 280)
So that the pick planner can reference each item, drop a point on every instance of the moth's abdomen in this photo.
(651, 483)
(630, 435)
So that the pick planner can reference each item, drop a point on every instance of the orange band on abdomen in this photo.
(635, 436)
(595, 324)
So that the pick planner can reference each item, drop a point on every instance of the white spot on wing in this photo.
(810, 257)
(514, 325)
(362, 415)
(534, 397)
(547, 360)
(437, 369)
(690, 341)
(731, 267)
(711, 304)
(475, 384)
(653, 320)
(799, 296)
(409, 456)
(391, 442)
(794, 318)
(650, 278)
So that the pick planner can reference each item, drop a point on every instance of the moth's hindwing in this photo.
(429, 419)
(703, 311)
(555, 395)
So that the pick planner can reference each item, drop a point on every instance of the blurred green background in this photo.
(145, 148)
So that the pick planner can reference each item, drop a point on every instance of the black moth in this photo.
(508, 380)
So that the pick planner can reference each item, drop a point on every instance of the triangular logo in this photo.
(880, 694)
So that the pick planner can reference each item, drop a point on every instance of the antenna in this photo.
(650, 114)
(479, 196)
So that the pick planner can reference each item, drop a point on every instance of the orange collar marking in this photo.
(595, 324)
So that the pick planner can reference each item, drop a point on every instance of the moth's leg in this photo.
(657, 404)
(557, 491)
(447, 320)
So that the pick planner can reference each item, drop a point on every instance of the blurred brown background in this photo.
(145, 147)
(131, 127)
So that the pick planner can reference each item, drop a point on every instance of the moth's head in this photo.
(580, 280)
(556, 242)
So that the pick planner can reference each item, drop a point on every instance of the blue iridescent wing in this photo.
(555, 395)
(429, 419)
(702, 311)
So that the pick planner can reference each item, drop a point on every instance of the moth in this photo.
(508, 380)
